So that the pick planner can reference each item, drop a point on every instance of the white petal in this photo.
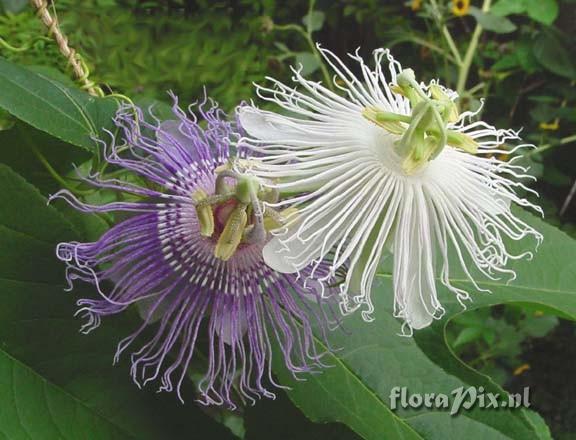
(276, 256)
(267, 126)
(414, 282)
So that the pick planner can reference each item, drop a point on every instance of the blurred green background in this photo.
(523, 64)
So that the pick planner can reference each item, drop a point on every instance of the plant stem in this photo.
(55, 174)
(568, 199)
(469, 56)
(447, 35)
(451, 44)
(11, 48)
(563, 141)
(307, 34)
(313, 48)
(423, 43)
(474, 89)
(311, 4)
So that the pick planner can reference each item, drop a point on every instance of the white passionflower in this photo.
(386, 166)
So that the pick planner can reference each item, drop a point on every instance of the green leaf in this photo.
(372, 359)
(19, 149)
(506, 62)
(539, 326)
(492, 22)
(551, 52)
(503, 8)
(66, 113)
(279, 419)
(314, 21)
(542, 11)
(308, 61)
(64, 383)
(468, 335)
(13, 6)
(34, 408)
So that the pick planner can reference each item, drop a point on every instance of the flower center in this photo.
(234, 214)
(425, 132)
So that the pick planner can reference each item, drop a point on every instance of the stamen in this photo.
(232, 234)
(389, 121)
(274, 219)
(204, 213)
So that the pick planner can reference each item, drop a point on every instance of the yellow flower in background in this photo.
(460, 7)
(554, 125)
(415, 5)
(521, 369)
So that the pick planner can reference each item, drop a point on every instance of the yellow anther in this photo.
(391, 122)
(462, 141)
(232, 234)
(204, 213)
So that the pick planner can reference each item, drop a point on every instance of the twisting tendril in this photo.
(79, 67)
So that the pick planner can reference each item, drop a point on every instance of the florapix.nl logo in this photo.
(462, 398)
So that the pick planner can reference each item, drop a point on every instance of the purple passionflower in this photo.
(190, 256)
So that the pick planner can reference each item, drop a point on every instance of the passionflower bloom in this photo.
(189, 254)
(386, 166)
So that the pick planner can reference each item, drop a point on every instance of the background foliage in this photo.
(55, 383)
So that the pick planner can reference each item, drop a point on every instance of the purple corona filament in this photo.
(156, 259)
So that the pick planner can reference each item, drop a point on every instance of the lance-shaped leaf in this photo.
(374, 359)
(54, 381)
(66, 113)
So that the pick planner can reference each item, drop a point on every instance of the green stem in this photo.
(447, 35)
(311, 4)
(55, 174)
(474, 89)
(25, 47)
(451, 44)
(307, 35)
(313, 48)
(563, 141)
(469, 56)
(423, 43)
(8, 46)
